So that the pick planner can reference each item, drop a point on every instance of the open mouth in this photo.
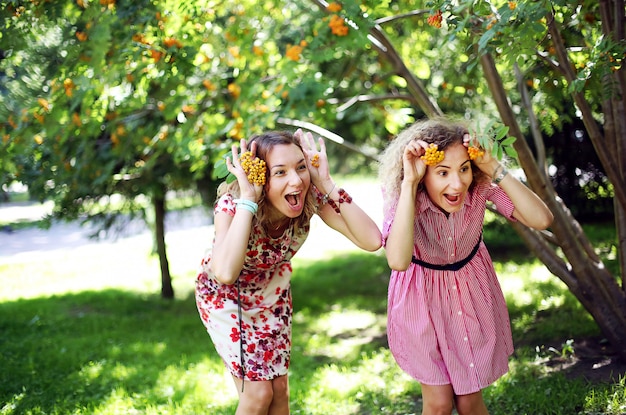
(452, 198)
(293, 198)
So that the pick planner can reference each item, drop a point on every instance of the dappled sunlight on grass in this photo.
(338, 333)
(91, 371)
(540, 305)
(86, 332)
(332, 387)
(122, 372)
(517, 281)
(206, 383)
(117, 402)
(549, 391)
(373, 379)
(212, 382)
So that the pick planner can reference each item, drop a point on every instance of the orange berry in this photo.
(333, 7)
(293, 52)
(315, 160)
(254, 167)
(435, 19)
(474, 152)
(432, 155)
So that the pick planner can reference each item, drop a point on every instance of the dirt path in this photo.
(188, 231)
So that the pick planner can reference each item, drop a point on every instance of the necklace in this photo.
(280, 224)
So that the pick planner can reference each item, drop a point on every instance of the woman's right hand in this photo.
(414, 166)
(247, 190)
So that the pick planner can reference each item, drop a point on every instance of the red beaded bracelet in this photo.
(343, 197)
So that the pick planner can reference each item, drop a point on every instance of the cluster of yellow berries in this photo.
(435, 19)
(293, 52)
(474, 152)
(432, 155)
(338, 26)
(254, 168)
(315, 160)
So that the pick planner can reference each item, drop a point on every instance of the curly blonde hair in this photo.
(441, 131)
(265, 142)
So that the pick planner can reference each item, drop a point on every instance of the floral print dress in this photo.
(249, 321)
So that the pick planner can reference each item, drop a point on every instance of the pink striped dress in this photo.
(450, 327)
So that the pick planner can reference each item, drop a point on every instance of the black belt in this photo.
(455, 266)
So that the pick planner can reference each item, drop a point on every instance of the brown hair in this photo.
(440, 131)
(265, 142)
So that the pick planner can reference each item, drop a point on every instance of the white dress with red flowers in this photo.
(257, 334)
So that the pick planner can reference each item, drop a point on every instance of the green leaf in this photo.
(508, 141)
(494, 152)
(510, 151)
(219, 168)
(501, 132)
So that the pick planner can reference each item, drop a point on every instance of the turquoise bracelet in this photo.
(246, 204)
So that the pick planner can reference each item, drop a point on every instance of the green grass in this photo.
(88, 334)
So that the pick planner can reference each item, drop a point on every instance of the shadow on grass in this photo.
(553, 316)
(352, 290)
(359, 282)
(74, 351)
(63, 353)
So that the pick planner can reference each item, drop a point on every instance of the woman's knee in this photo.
(257, 395)
(280, 386)
(472, 404)
(438, 406)
(438, 400)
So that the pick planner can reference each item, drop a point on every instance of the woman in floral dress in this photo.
(243, 289)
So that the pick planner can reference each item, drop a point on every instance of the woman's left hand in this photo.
(486, 163)
(316, 161)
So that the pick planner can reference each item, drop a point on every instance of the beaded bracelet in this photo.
(343, 197)
(246, 204)
(326, 197)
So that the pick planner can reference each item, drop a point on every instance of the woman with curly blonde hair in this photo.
(448, 325)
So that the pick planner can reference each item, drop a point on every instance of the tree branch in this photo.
(368, 98)
(412, 13)
(534, 124)
(326, 134)
(381, 43)
(573, 242)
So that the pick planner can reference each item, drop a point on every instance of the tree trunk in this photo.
(167, 291)
(585, 274)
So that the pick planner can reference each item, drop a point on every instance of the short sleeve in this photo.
(389, 213)
(502, 202)
(225, 204)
